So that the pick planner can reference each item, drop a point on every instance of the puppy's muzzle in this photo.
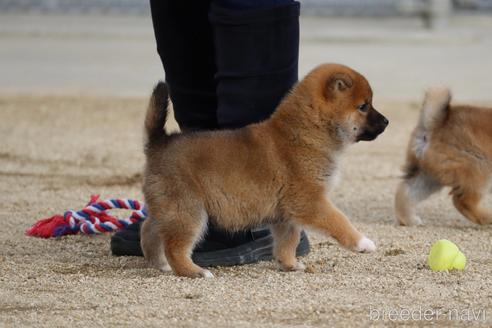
(376, 123)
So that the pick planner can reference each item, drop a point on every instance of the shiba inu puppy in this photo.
(276, 172)
(450, 147)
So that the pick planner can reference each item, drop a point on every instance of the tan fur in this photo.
(450, 147)
(274, 172)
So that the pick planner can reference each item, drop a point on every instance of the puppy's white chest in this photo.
(333, 180)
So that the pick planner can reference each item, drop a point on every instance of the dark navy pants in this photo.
(228, 63)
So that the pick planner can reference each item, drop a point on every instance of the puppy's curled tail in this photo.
(435, 108)
(156, 116)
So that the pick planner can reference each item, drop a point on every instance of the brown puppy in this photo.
(276, 172)
(451, 146)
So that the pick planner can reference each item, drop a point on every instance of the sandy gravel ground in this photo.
(56, 151)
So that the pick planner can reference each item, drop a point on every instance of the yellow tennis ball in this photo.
(445, 255)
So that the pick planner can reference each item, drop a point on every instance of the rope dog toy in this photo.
(92, 219)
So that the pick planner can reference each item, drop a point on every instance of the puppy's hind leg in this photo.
(286, 237)
(467, 202)
(153, 245)
(181, 232)
(410, 192)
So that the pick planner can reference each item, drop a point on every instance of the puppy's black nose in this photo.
(385, 121)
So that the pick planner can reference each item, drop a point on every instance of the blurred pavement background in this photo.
(107, 47)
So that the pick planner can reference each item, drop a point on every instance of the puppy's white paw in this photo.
(414, 220)
(165, 267)
(206, 274)
(365, 245)
(299, 266)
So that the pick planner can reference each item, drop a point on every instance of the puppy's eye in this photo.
(364, 107)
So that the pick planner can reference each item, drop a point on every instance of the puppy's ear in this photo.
(338, 82)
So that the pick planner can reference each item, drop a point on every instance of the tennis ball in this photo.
(445, 255)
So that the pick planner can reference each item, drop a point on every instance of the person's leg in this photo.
(185, 45)
(256, 53)
(243, 62)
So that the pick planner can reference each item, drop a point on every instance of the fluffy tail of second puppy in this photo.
(435, 108)
(156, 116)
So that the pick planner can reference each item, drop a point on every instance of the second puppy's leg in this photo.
(410, 192)
(286, 237)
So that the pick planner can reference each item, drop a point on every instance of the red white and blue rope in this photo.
(94, 218)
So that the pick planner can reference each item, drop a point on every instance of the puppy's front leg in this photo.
(333, 222)
(286, 237)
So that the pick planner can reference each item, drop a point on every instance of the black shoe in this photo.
(246, 247)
